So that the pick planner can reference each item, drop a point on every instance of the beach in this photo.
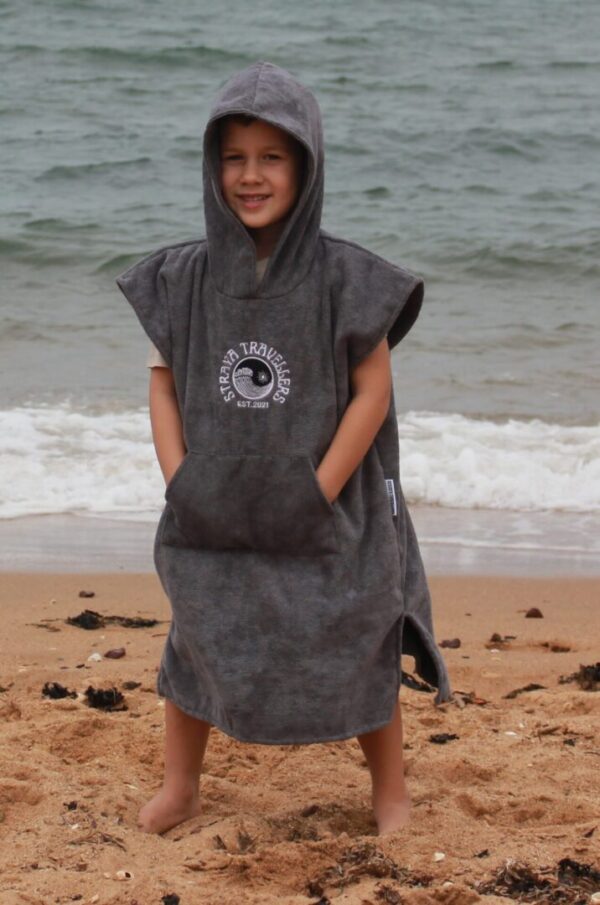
(513, 788)
(460, 144)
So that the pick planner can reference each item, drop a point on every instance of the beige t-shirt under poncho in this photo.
(155, 359)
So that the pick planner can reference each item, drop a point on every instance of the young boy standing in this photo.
(285, 545)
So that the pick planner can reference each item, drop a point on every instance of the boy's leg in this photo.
(185, 743)
(383, 751)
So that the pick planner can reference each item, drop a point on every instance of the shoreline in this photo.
(452, 542)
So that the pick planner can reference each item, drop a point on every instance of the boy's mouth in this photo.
(253, 200)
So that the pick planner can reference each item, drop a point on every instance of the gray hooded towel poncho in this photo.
(290, 613)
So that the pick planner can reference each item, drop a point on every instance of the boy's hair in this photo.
(242, 119)
(245, 119)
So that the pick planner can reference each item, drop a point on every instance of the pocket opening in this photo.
(266, 503)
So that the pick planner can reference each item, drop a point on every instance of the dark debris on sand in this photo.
(90, 619)
(440, 738)
(56, 691)
(45, 624)
(462, 698)
(105, 699)
(533, 686)
(587, 677)
(387, 895)
(499, 641)
(415, 684)
(360, 860)
(556, 647)
(100, 698)
(570, 883)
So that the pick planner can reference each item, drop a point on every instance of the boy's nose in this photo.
(251, 172)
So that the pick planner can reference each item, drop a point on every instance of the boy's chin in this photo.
(272, 230)
(271, 226)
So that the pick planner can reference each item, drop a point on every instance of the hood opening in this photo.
(306, 164)
(266, 92)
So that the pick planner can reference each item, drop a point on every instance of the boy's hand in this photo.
(324, 490)
(371, 383)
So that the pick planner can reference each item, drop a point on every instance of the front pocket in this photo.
(272, 504)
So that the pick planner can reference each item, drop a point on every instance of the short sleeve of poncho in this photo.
(150, 286)
(374, 299)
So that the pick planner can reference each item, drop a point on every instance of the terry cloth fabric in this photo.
(290, 613)
(155, 359)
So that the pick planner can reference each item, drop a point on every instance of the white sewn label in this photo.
(392, 495)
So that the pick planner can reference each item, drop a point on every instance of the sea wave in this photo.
(57, 459)
(459, 462)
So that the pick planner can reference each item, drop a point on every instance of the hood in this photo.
(272, 94)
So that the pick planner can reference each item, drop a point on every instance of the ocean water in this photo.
(461, 141)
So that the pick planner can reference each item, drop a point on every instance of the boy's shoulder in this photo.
(344, 254)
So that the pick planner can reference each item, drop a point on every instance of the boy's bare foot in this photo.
(167, 809)
(392, 815)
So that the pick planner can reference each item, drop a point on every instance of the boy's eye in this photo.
(234, 156)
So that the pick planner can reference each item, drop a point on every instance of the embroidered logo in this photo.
(254, 375)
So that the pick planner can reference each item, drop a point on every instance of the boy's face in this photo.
(260, 177)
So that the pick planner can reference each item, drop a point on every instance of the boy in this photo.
(287, 581)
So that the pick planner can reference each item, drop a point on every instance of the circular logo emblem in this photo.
(253, 378)
(253, 375)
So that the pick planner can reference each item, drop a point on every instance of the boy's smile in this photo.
(260, 178)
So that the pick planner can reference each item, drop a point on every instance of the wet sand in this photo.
(293, 824)
(452, 542)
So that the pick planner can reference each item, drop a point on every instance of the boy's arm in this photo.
(167, 430)
(371, 382)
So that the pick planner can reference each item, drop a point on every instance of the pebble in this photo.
(438, 856)
(95, 656)
(124, 875)
(595, 898)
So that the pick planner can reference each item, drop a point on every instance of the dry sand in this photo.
(293, 824)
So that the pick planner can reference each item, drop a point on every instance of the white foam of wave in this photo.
(459, 462)
(55, 459)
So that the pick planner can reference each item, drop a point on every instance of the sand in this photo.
(293, 824)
